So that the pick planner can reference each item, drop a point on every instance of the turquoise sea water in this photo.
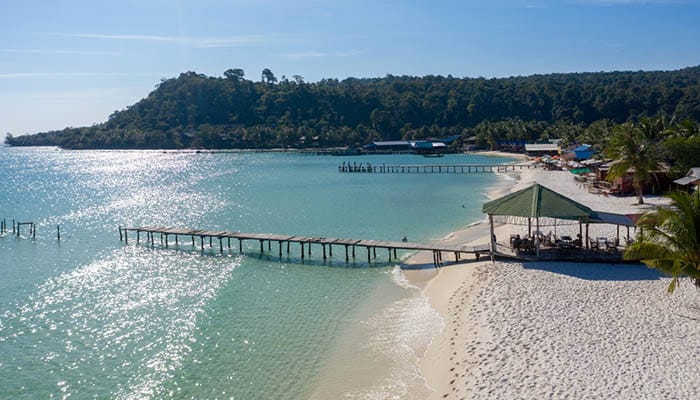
(90, 317)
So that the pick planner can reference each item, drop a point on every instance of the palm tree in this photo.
(670, 239)
(636, 147)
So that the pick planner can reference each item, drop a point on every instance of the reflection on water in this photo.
(91, 317)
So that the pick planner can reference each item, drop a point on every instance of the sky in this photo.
(70, 63)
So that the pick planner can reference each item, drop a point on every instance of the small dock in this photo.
(430, 168)
(200, 238)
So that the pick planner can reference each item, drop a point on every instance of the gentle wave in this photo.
(401, 332)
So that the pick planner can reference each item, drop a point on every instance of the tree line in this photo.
(198, 111)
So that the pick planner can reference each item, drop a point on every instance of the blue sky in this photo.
(72, 63)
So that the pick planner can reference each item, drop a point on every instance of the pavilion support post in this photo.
(580, 228)
(529, 227)
(587, 241)
(628, 233)
(618, 234)
(537, 238)
(493, 237)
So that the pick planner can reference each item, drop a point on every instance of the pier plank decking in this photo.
(305, 242)
(430, 168)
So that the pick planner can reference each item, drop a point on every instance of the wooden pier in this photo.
(224, 238)
(431, 168)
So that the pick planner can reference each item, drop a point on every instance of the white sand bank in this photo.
(559, 330)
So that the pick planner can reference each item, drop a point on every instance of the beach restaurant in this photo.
(545, 207)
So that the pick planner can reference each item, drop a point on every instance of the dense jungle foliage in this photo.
(199, 111)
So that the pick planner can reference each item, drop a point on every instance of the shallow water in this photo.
(91, 317)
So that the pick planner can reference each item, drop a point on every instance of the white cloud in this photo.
(206, 42)
(54, 75)
(88, 94)
(630, 2)
(62, 52)
(319, 54)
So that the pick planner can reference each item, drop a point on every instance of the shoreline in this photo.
(477, 355)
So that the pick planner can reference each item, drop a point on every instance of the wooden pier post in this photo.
(126, 236)
(302, 250)
(330, 250)
(261, 246)
(324, 250)
(210, 245)
(280, 243)
(138, 236)
(33, 230)
(269, 245)
(13, 226)
(288, 247)
(374, 251)
(201, 242)
(346, 254)
(240, 246)
(176, 243)
(166, 240)
(58, 232)
(389, 254)
(353, 251)
(221, 244)
(229, 242)
(153, 240)
(192, 240)
(121, 238)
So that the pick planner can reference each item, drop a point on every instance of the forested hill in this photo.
(195, 110)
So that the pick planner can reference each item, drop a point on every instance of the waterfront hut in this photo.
(541, 149)
(583, 152)
(690, 180)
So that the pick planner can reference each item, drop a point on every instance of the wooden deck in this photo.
(431, 168)
(580, 255)
(304, 242)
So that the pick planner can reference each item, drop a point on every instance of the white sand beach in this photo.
(559, 330)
